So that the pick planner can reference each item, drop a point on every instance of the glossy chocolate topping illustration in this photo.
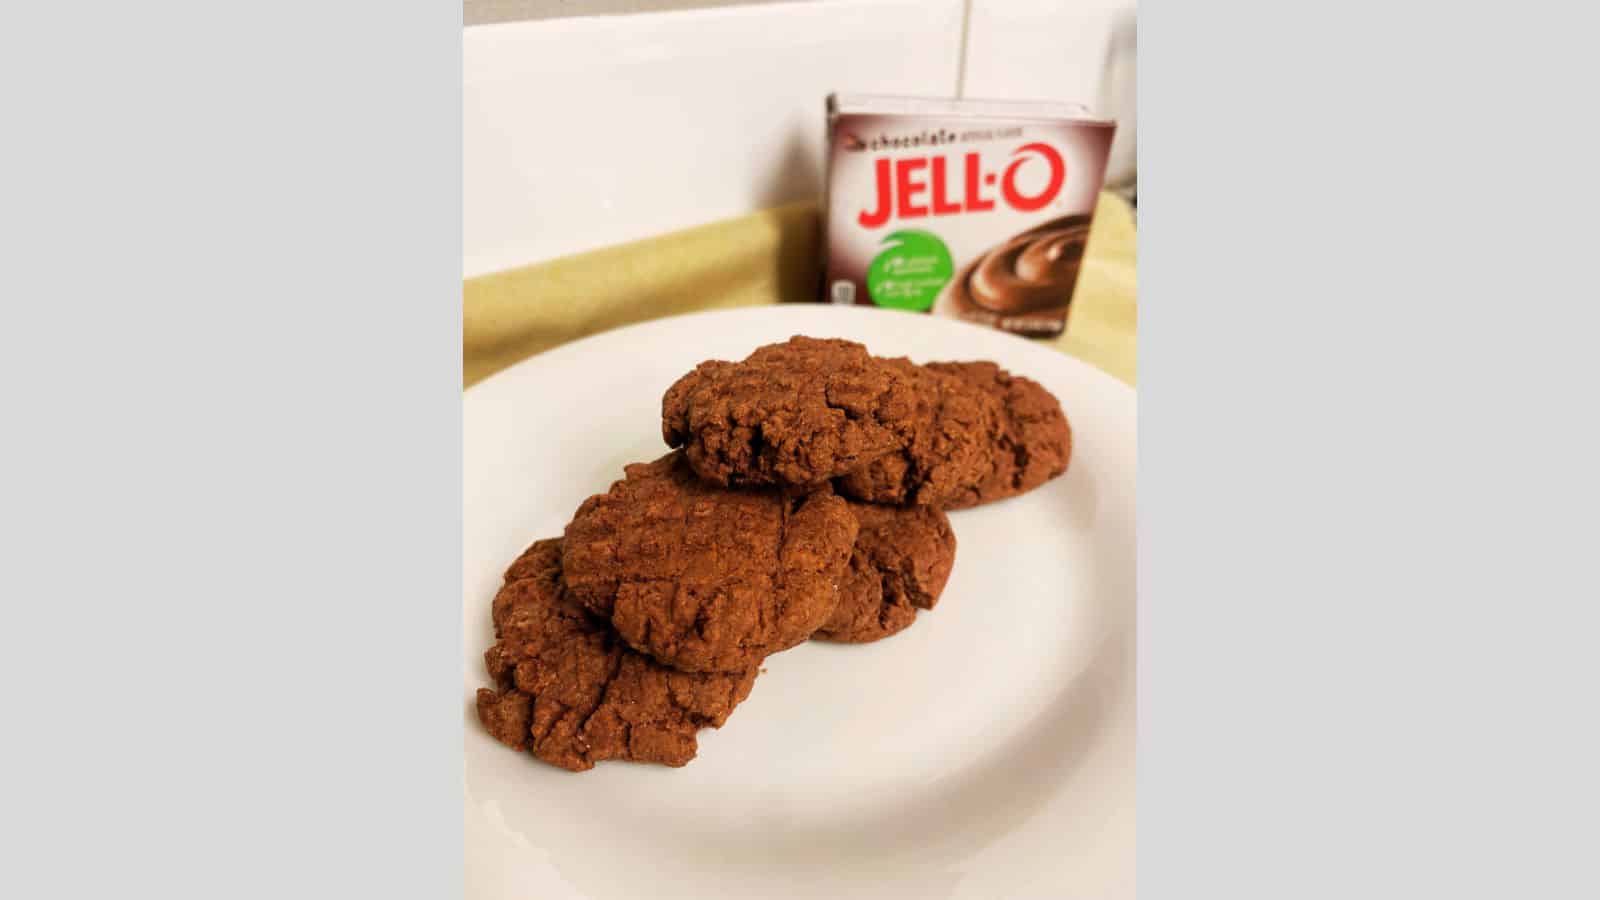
(1031, 272)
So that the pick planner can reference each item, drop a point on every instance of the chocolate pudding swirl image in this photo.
(1029, 273)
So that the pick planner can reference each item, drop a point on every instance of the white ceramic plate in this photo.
(987, 751)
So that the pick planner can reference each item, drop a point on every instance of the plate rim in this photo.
(1044, 351)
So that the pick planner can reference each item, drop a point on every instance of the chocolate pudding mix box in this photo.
(973, 209)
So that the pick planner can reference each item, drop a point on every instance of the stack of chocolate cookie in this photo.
(807, 501)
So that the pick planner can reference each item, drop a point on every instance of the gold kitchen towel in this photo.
(769, 257)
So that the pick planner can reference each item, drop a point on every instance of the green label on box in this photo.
(910, 272)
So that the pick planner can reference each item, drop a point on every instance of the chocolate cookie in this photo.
(900, 564)
(571, 692)
(707, 579)
(949, 447)
(1035, 440)
(796, 413)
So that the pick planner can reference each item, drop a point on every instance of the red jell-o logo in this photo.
(902, 184)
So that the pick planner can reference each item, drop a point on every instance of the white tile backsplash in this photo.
(579, 133)
(584, 132)
(485, 12)
(1064, 50)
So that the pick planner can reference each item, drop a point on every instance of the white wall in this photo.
(585, 132)
(1079, 50)
(485, 12)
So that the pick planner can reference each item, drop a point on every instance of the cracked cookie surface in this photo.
(704, 578)
(901, 561)
(573, 694)
(1035, 440)
(796, 413)
(949, 447)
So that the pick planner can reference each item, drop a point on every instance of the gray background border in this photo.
(1367, 450)
(232, 480)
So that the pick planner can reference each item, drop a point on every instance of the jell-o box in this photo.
(973, 209)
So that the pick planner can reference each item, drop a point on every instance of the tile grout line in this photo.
(961, 59)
